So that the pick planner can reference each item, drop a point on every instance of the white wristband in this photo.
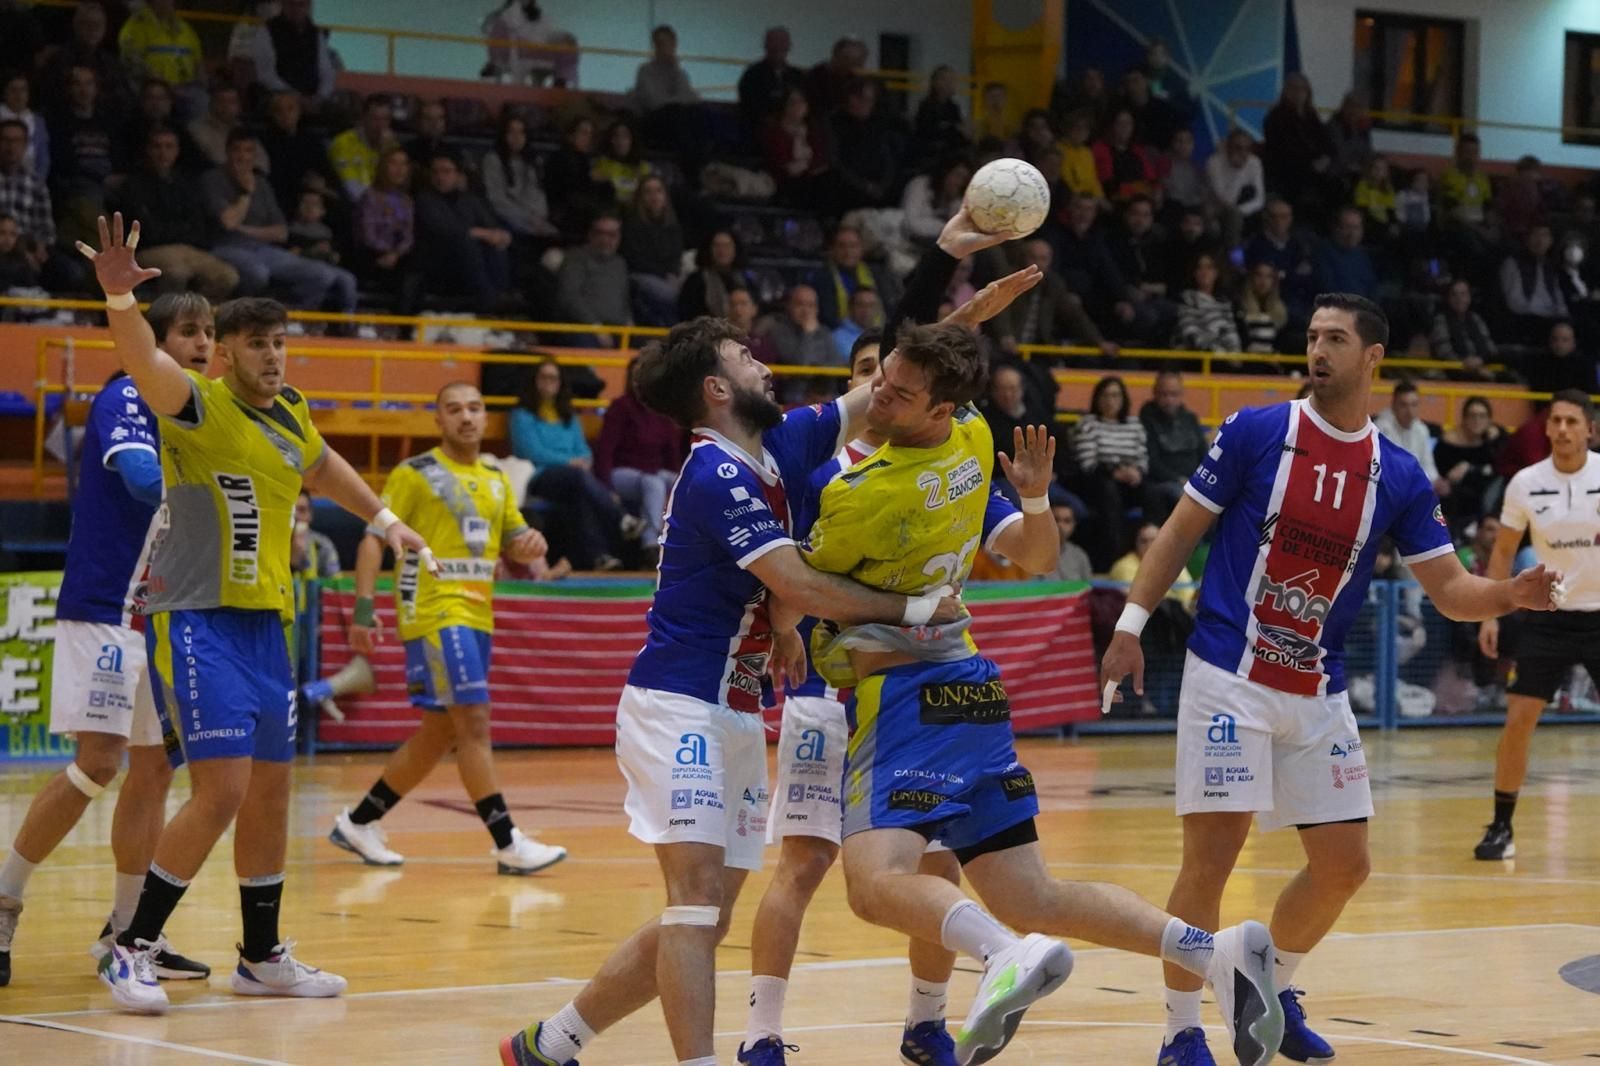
(383, 520)
(120, 301)
(1035, 504)
(1133, 619)
(919, 609)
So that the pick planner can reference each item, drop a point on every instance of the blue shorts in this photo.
(933, 751)
(224, 686)
(449, 668)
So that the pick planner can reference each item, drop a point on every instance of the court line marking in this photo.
(143, 1041)
(808, 967)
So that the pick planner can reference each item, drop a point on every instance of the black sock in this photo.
(258, 904)
(1505, 804)
(378, 801)
(492, 809)
(157, 901)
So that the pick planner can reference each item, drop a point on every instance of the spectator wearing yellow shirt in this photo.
(1464, 190)
(156, 43)
(355, 152)
(1077, 160)
(1125, 568)
(1375, 197)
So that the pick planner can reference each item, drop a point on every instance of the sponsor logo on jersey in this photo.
(1282, 646)
(797, 793)
(1222, 730)
(681, 799)
(244, 527)
(727, 471)
(1018, 786)
(1213, 775)
(812, 747)
(964, 479)
(109, 660)
(1294, 597)
(958, 702)
(692, 751)
(915, 799)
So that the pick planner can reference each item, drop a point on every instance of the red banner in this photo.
(562, 654)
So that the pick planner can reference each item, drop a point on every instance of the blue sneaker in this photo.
(928, 1044)
(768, 1052)
(1300, 1044)
(521, 1049)
(1188, 1048)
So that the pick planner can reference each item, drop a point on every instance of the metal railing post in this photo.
(1386, 672)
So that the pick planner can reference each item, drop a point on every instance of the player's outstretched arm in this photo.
(1462, 597)
(336, 479)
(161, 381)
(813, 592)
(1033, 543)
(1157, 571)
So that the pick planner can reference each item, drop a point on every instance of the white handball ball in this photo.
(1008, 196)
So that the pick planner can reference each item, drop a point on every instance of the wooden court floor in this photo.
(1440, 961)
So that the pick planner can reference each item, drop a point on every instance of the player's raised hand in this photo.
(527, 546)
(1124, 656)
(1538, 588)
(1032, 464)
(114, 265)
(961, 236)
(787, 667)
(995, 297)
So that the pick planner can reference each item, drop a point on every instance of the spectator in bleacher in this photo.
(1459, 335)
(461, 245)
(593, 282)
(844, 271)
(931, 199)
(674, 118)
(1205, 315)
(1464, 198)
(547, 433)
(1078, 171)
(1038, 133)
(718, 272)
(798, 155)
(621, 164)
(1296, 151)
(1154, 119)
(1561, 365)
(531, 59)
(1125, 568)
(1413, 209)
(1374, 196)
(385, 230)
(511, 182)
(299, 158)
(939, 128)
(432, 126)
(209, 132)
(1235, 177)
(1176, 440)
(89, 47)
(652, 246)
(1278, 244)
(23, 193)
(354, 153)
(1402, 423)
(1531, 288)
(1166, 83)
(1186, 242)
(85, 153)
(1090, 270)
(638, 454)
(156, 111)
(1519, 205)
(866, 312)
(15, 100)
(22, 42)
(575, 194)
(156, 43)
(1111, 454)
(242, 41)
(1086, 92)
(1050, 313)
(251, 231)
(1263, 317)
(1465, 455)
(797, 337)
(310, 236)
(742, 312)
(1141, 256)
(829, 82)
(864, 156)
(1073, 565)
(172, 233)
(765, 85)
(1005, 408)
(1183, 183)
(20, 257)
(291, 54)
(993, 120)
(1121, 163)
(1350, 136)
(1342, 263)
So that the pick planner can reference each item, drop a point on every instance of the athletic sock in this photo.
(766, 1008)
(378, 801)
(1505, 805)
(969, 928)
(1183, 1011)
(928, 1001)
(563, 1035)
(709, 1060)
(496, 819)
(1284, 964)
(126, 900)
(259, 900)
(1185, 945)
(14, 874)
(157, 900)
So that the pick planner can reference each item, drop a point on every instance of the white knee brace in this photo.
(82, 781)
(702, 916)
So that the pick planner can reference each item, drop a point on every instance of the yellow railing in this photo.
(1455, 124)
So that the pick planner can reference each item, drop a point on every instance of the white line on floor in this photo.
(33, 1021)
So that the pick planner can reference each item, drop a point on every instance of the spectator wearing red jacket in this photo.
(1124, 168)
(639, 453)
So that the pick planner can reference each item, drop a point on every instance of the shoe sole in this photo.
(524, 871)
(1510, 852)
(1257, 1014)
(134, 1006)
(339, 840)
(257, 989)
(508, 1057)
(981, 1041)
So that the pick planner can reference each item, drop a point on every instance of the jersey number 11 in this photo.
(1338, 484)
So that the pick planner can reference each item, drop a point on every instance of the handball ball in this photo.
(1008, 196)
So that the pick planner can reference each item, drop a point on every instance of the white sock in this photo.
(1183, 1011)
(1284, 964)
(709, 1060)
(565, 1034)
(969, 928)
(766, 1009)
(928, 1001)
(127, 900)
(1184, 945)
(14, 874)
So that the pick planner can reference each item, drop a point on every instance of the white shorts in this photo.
(697, 773)
(100, 683)
(805, 801)
(1293, 760)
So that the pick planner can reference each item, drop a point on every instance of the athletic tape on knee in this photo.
(705, 916)
(83, 782)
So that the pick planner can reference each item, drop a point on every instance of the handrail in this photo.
(1455, 123)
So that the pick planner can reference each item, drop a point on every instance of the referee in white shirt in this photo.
(1557, 502)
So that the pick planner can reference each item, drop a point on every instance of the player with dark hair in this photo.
(1304, 492)
(1557, 503)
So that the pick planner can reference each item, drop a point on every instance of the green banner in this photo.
(27, 641)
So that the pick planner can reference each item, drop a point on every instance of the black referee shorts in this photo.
(1549, 645)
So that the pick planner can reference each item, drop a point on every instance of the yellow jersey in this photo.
(232, 474)
(465, 512)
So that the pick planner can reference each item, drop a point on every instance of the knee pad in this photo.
(82, 781)
(707, 917)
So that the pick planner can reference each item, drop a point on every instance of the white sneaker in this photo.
(368, 841)
(1241, 978)
(526, 855)
(284, 975)
(131, 975)
(1014, 979)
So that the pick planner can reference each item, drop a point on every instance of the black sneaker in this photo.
(169, 965)
(5, 968)
(1496, 844)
